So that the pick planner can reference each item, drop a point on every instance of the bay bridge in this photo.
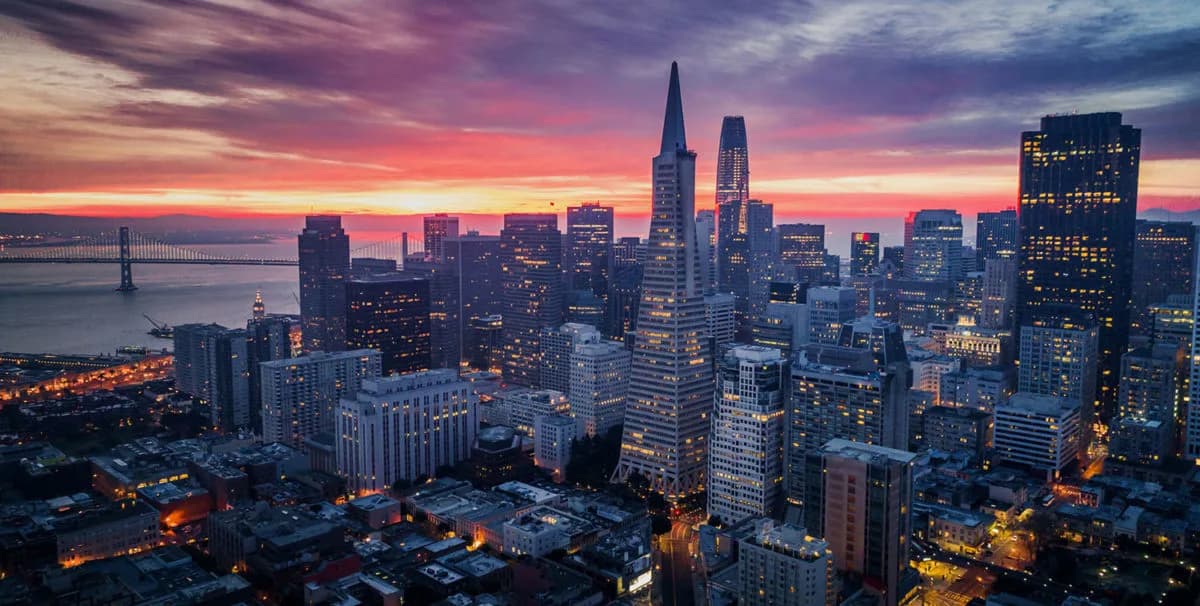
(125, 247)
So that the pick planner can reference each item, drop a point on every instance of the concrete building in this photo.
(520, 407)
(110, 530)
(671, 381)
(781, 565)
(300, 395)
(1059, 357)
(553, 437)
(828, 308)
(933, 243)
(557, 346)
(402, 427)
(1038, 431)
(746, 453)
(859, 498)
(843, 392)
(720, 319)
(957, 430)
(978, 388)
(599, 386)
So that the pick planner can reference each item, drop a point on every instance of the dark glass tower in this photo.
(733, 162)
(531, 256)
(671, 380)
(439, 228)
(802, 249)
(1078, 205)
(477, 263)
(589, 247)
(744, 246)
(864, 253)
(390, 313)
(995, 236)
(1165, 256)
(324, 266)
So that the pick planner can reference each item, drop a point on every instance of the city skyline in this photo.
(234, 122)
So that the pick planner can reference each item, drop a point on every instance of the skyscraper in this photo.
(671, 386)
(599, 386)
(477, 263)
(300, 395)
(324, 266)
(744, 245)
(390, 313)
(861, 502)
(706, 234)
(1059, 358)
(588, 257)
(746, 453)
(403, 427)
(531, 250)
(864, 253)
(733, 161)
(1078, 205)
(267, 338)
(802, 250)
(933, 245)
(438, 229)
(995, 236)
(999, 291)
(556, 347)
(445, 325)
(1164, 254)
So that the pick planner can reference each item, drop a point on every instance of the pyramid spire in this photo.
(673, 137)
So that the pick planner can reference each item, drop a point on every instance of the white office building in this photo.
(300, 395)
(519, 407)
(552, 444)
(557, 348)
(599, 386)
(746, 451)
(719, 315)
(402, 427)
(780, 565)
(1037, 431)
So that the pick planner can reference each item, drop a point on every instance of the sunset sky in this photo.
(852, 108)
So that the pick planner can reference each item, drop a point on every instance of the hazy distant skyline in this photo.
(852, 109)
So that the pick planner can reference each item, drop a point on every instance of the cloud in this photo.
(478, 104)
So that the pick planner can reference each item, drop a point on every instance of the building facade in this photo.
(531, 253)
(671, 384)
(300, 395)
(324, 267)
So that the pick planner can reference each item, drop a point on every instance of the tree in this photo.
(660, 524)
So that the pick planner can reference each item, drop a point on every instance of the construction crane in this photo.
(160, 330)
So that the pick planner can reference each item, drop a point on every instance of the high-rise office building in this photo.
(556, 348)
(995, 236)
(933, 243)
(745, 458)
(1164, 254)
(844, 392)
(733, 161)
(802, 250)
(1078, 205)
(267, 338)
(706, 235)
(390, 313)
(1191, 413)
(781, 565)
(861, 503)
(480, 270)
(721, 319)
(1059, 358)
(191, 342)
(402, 427)
(444, 303)
(999, 293)
(978, 388)
(531, 250)
(439, 228)
(1152, 383)
(588, 255)
(300, 395)
(829, 307)
(671, 386)
(864, 253)
(229, 380)
(1042, 432)
(519, 407)
(485, 343)
(893, 256)
(744, 250)
(324, 267)
(624, 297)
(599, 386)
(552, 445)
